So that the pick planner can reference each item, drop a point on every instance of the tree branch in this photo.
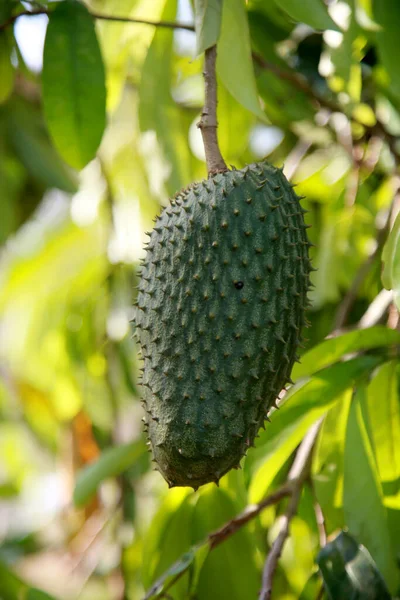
(302, 84)
(208, 122)
(297, 476)
(250, 512)
(100, 17)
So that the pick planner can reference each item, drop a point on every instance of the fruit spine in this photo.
(221, 302)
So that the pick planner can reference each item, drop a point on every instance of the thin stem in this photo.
(298, 474)
(208, 122)
(100, 17)
(302, 84)
(220, 535)
(250, 512)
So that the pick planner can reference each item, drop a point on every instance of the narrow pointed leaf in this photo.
(74, 92)
(192, 560)
(158, 112)
(234, 61)
(207, 22)
(391, 261)
(384, 421)
(303, 405)
(365, 513)
(311, 12)
(333, 349)
(112, 462)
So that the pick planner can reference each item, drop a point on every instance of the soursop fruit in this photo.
(220, 308)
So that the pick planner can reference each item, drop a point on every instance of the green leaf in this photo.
(157, 111)
(234, 62)
(327, 467)
(304, 404)
(333, 349)
(232, 141)
(365, 513)
(111, 463)
(349, 571)
(387, 15)
(230, 571)
(207, 21)
(391, 261)
(312, 587)
(192, 560)
(384, 421)
(310, 12)
(168, 538)
(7, 72)
(74, 92)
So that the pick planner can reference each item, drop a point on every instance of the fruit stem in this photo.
(208, 123)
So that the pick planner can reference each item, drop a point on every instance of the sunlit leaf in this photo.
(349, 571)
(298, 555)
(384, 421)
(74, 104)
(310, 12)
(157, 111)
(168, 539)
(364, 114)
(333, 349)
(327, 467)
(366, 519)
(233, 142)
(234, 49)
(391, 261)
(304, 404)
(312, 587)
(112, 462)
(207, 23)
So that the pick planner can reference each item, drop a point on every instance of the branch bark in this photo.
(217, 537)
(297, 476)
(208, 123)
(100, 17)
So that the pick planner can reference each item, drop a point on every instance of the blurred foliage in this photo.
(312, 85)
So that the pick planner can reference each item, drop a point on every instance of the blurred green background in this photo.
(325, 102)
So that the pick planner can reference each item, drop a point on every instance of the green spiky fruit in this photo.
(220, 308)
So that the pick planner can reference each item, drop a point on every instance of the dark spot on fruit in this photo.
(238, 285)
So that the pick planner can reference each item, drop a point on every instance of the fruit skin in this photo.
(221, 302)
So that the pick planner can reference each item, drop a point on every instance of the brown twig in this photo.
(320, 520)
(208, 123)
(100, 17)
(296, 80)
(297, 476)
(301, 83)
(250, 512)
(215, 538)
